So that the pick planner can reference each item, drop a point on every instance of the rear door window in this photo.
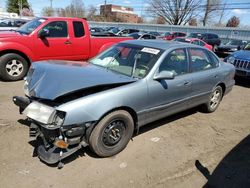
(200, 60)
(78, 29)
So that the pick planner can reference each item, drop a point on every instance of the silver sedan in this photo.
(102, 102)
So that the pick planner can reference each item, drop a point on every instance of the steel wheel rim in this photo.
(215, 99)
(113, 133)
(14, 67)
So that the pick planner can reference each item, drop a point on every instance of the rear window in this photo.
(78, 29)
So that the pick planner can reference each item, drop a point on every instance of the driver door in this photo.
(57, 45)
(167, 97)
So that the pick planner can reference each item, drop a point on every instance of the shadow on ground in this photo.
(233, 170)
(242, 82)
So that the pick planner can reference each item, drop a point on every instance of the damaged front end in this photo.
(58, 141)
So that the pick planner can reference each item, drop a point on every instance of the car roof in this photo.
(159, 44)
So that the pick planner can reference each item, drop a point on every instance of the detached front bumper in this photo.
(55, 154)
(57, 141)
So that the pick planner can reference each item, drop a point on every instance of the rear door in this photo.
(80, 41)
(204, 74)
(57, 45)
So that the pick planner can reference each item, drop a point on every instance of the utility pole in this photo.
(20, 7)
(51, 4)
(105, 9)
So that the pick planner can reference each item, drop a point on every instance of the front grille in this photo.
(243, 64)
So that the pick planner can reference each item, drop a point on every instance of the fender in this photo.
(106, 46)
(4, 46)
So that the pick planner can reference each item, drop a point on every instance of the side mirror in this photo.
(43, 33)
(164, 75)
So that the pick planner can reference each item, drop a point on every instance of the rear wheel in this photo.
(13, 67)
(214, 100)
(112, 134)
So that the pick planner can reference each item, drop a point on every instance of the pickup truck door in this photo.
(80, 40)
(57, 44)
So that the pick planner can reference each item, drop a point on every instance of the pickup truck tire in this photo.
(112, 134)
(13, 67)
(214, 100)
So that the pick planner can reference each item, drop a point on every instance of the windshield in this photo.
(132, 61)
(235, 42)
(247, 47)
(114, 30)
(31, 26)
(182, 40)
(194, 35)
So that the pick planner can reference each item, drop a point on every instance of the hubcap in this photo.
(215, 99)
(113, 133)
(14, 67)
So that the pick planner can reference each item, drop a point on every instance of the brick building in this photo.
(118, 13)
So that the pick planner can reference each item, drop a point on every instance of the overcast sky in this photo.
(138, 6)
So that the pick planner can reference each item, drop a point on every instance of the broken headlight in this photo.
(44, 114)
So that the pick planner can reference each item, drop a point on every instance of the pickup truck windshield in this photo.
(31, 26)
(132, 61)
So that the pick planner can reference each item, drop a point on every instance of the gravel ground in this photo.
(190, 149)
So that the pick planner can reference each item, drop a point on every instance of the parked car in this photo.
(11, 23)
(123, 31)
(48, 38)
(165, 35)
(194, 35)
(100, 32)
(241, 60)
(212, 39)
(194, 41)
(102, 102)
(155, 33)
(174, 35)
(230, 47)
(142, 36)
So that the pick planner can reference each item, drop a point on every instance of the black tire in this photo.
(13, 67)
(214, 100)
(102, 139)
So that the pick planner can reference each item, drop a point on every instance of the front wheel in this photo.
(214, 100)
(13, 67)
(112, 134)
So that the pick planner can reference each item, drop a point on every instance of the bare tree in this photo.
(193, 22)
(92, 12)
(233, 22)
(210, 8)
(48, 11)
(160, 20)
(75, 9)
(175, 12)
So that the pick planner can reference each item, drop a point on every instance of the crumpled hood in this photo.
(242, 54)
(51, 79)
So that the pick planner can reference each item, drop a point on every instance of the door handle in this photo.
(67, 42)
(187, 83)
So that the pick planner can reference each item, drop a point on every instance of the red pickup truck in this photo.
(48, 38)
